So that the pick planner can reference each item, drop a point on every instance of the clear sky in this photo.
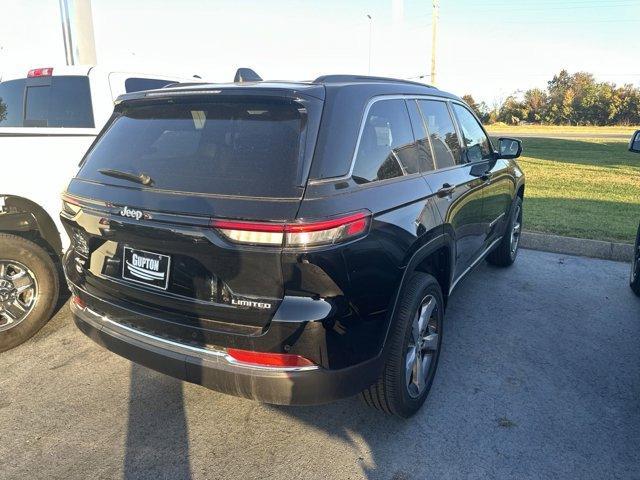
(487, 48)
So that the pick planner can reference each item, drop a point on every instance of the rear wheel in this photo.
(414, 350)
(507, 250)
(29, 287)
(635, 267)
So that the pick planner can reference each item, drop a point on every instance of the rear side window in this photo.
(386, 147)
(11, 101)
(422, 137)
(241, 146)
(134, 84)
(442, 132)
(63, 102)
(476, 141)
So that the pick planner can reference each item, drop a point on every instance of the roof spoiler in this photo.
(246, 75)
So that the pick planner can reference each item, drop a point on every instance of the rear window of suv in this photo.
(232, 146)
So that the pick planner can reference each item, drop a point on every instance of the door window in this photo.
(476, 141)
(421, 135)
(442, 132)
(386, 148)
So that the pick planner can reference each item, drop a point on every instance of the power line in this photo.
(540, 8)
(575, 21)
(510, 6)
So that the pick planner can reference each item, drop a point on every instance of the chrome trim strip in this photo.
(477, 260)
(497, 219)
(180, 92)
(110, 327)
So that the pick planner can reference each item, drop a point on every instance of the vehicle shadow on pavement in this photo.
(157, 442)
(374, 435)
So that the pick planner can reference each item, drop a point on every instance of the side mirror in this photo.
(509, 148)
(634, 144)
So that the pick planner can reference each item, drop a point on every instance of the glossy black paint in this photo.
(333, 305)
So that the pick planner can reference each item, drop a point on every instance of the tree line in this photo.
(569, 99)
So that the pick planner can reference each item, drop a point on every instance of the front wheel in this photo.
(635, 267)
(414, 349)
(507, 250)
(29, 288)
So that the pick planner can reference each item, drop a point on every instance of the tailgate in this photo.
(176, 263)
(141, 206)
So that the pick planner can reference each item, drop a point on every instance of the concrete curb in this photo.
(619, 252)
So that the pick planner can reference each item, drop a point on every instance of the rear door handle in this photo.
(446, 190)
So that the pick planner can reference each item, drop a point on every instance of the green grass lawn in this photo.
(587, 188)
(559, 129)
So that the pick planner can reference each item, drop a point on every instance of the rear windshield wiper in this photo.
(142, 178)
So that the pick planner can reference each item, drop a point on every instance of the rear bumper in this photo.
(217, 371)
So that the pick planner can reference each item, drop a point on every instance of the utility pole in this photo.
(434, 39)
(77, 32)
(370, 39)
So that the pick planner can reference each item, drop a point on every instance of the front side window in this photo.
(442, 132)
(476, 141)
(64, 102)
(386, 148)
(11, 98)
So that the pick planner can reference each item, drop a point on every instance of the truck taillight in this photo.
(70, 205)
(298, 234)
(40, 72)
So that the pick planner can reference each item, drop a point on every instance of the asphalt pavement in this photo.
(539, 378)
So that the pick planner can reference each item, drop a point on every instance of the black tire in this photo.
(507, 250)
(42, 268)
(392, 393)
(634, 281)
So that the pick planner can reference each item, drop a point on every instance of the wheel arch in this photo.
(26, 218)
(436, 257)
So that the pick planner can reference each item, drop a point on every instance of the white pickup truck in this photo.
(48, 119)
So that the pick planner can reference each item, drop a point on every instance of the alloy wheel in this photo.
(516, 230)
(423, 347)
(18, 293)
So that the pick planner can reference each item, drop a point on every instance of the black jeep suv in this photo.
(293, 243)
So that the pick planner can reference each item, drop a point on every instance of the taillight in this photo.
(70, 205)
(267, 359)
(78, 302)
(40, 72)
(300, 234)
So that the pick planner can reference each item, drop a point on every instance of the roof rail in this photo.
(364, 78)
